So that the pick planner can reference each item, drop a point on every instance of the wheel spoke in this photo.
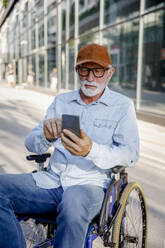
(33, 233)
(132, 222)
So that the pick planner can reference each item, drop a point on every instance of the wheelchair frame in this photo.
(102, 225)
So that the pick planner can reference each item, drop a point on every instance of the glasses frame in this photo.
(91, 69)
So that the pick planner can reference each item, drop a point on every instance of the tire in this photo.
(130, 226)
(33, 233)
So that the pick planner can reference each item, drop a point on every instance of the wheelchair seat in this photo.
(41, 218)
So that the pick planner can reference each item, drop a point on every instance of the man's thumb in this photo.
(82, 133)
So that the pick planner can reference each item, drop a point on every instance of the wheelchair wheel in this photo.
(34, 232)
(130, 227)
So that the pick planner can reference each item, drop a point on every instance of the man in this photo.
(53, 79)
(78, 172)
(10, 76)
(30, 76)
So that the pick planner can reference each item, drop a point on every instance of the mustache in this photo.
(90, 83)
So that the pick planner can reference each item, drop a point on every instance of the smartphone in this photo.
(71, 122)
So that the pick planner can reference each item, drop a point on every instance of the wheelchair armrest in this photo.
(117, 169)
(41, 158)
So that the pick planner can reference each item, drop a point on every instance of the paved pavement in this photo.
(21, 110)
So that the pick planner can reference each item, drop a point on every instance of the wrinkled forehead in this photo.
(91, 65)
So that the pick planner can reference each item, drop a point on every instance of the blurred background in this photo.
(39, 42)
(36, 36)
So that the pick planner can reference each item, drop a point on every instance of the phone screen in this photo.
(71, 122)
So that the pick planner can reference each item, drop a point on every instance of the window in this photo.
(122, 43)
(153, 74)
(33, 37)
(116, 10)
(52, 29)
(41, 34)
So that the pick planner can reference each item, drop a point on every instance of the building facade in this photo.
(42, 34)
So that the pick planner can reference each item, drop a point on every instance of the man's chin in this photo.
(89, 93)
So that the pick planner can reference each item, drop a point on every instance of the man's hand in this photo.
(52, 128)
(76, 146)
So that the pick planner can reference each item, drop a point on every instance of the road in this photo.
(21, 110)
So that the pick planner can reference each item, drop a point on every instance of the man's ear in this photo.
(76, 68)
(111, 71)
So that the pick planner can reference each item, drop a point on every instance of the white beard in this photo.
(92, 92)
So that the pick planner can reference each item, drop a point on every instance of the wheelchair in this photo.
(122, 222)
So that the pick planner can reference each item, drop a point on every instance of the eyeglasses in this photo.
(97, 72)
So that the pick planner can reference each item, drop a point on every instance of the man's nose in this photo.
(90, 76)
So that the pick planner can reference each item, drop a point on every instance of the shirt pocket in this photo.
(103, 130)
(101, 123)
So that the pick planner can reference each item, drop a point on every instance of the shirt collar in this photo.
(75, 96)
(105, 98)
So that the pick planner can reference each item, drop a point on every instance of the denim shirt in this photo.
(110, 123)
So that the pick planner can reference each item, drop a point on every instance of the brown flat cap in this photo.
(94, 53)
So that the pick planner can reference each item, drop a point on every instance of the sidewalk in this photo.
(22, 109)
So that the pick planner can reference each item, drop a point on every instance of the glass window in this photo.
(51, 55)
(116, 10)
(33, 37)
(91, 38)
(52, 28)
(72, 18)
(41, 70)
(89, 16)
(71, 65)
(122, 43)
(28, 41)
(63, 67)
(153, 75)
(16, 71)
(33, 67)
(16, 48)
(33, 17)
(51, 4)
(41, 33)
(19, 47)
(25, 21)
(25, 16)
(63, 19)
(39, 8)
(154, 3)
(81, 3)
(17, 26)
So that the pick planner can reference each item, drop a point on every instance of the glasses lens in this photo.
(83, 71)
(98, 72)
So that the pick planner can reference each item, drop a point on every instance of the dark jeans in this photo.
(76, 207)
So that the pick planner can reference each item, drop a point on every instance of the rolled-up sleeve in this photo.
(124, 149)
